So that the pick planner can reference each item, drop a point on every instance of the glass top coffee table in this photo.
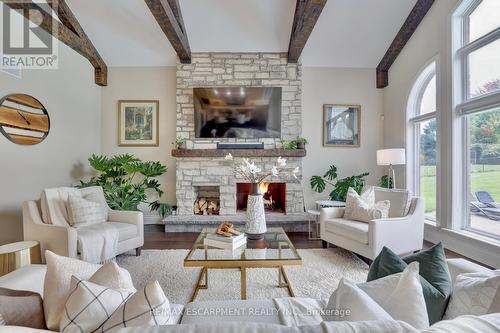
(274, 251)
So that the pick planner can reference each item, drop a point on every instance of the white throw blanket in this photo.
(97, 243)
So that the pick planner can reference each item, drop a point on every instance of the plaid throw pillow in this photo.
(82, 211)
(147, 307)
(89, 306)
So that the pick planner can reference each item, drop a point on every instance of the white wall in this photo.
(429, 40)
(340, 86)
(142, 83)
(73, 103)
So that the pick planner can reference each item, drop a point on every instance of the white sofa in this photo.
(402, 232)
(233, 316)
(61, 238)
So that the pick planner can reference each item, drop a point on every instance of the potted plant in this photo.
(180, 143)
(301, 142)
(386, 182)
(289, 145)
(341, 186)
(125, 180)
(255, 227)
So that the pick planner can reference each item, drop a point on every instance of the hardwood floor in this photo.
(156, 239)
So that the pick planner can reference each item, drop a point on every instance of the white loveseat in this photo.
(261, 315)
(60, 238)
(402, 231)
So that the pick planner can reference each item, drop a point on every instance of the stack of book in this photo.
(226, 243)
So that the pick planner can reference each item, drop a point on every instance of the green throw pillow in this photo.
(434, 276)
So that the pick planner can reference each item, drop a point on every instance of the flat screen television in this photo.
(237, 112)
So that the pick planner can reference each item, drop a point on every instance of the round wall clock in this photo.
(23, 119)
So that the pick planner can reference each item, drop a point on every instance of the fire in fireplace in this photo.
(274, 195)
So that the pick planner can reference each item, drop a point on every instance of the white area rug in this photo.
(317, 277)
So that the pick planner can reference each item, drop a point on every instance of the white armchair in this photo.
(61, 238)
(402, 232)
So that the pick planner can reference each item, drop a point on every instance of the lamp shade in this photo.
(391, 156)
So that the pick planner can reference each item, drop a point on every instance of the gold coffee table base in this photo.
(274, 251)
(283, 282)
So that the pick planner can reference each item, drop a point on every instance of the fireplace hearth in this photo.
(274, 195)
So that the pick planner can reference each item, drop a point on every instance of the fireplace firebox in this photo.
(274, 196)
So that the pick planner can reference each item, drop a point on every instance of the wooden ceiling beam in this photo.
(307, 13)
(411, 24)
(68, 18)
(72, 35)
(168, 15)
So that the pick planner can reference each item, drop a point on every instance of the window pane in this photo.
(428, 101)
(427, 164)
(484, 69)
(484, 171)
(485, 18)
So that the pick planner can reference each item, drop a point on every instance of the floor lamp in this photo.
(391, 157)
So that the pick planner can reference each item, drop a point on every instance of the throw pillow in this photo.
(400, 200)
(360, 210)
(399, 295)
(21, 308)
(474, 294)
(89, 306)
(350, 303)
(147, 307)
(57, 283)
(434, 275)
(83, 212)
(368, 195)
(406, 301)
(96, 194)
(112, 276)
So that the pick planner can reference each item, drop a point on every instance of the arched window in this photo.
(422, 140)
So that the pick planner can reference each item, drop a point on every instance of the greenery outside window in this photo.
(476, 71)
(423, 140)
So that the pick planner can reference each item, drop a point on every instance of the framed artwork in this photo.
(341, 125)
(138, 123)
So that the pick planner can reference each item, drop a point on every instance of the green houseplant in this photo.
(126, 180)
(340, 186)
(386, 182)
(301, 142)
(289, 145)
(180, 143)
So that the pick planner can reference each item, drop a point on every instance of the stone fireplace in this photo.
(195, 172)
(202, 165)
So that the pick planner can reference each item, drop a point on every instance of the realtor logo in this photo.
(27, 35)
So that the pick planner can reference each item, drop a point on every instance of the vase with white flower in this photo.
(255, 227)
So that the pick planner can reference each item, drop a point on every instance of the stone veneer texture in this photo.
(231, 70)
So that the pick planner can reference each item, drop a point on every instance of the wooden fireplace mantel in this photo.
(187, 153)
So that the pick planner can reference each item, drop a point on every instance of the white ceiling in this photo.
(124, 32)
(349, 33)
(355, 33)
(238, 25)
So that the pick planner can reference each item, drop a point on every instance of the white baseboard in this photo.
(465, 243)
